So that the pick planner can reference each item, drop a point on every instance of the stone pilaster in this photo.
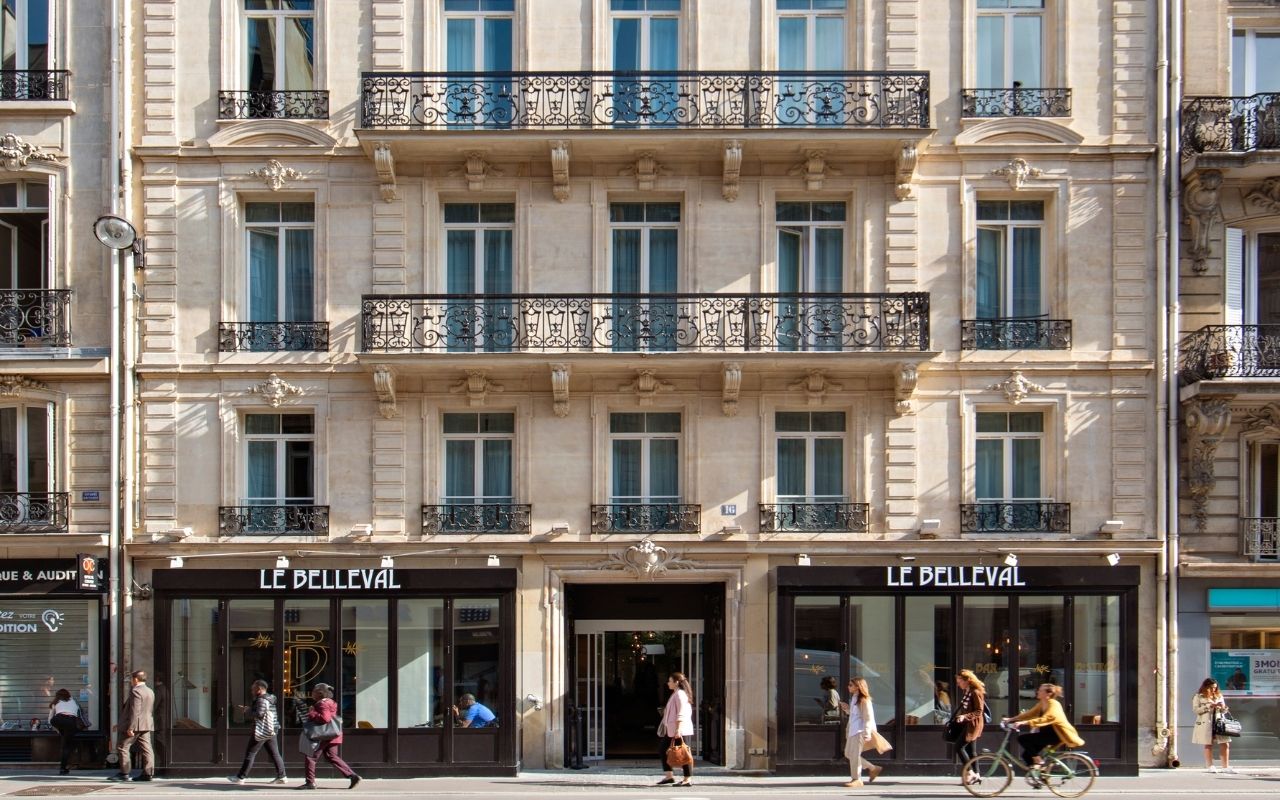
(390, 515)
(159, 72)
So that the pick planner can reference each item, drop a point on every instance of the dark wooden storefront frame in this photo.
(372, 752)
(1114, 745)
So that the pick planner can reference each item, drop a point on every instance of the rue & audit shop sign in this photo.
(41, 576)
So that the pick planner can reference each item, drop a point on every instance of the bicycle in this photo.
(1067, 774)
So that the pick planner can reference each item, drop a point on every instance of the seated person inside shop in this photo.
(472, 714)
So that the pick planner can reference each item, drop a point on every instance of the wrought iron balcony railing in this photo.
(1015, 334)
(34, 512)
(34, 84)
(646, 323)
(476, 518)
(1017, 101)
(266, 337)
(35, 318)
(1231, 124)
(816, 516)
(1230, 351)
(1260, 538)
(273, 520)
(272, 104)
(646, 518)
(584, 100)
(1014, 516)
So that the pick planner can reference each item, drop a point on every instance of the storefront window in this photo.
(46, 644)
(194, 632)
(308, 648)
(817, 660)
(1041, 654)
(252, 627)
(476, 650)
(420, 631)
(871, 651)
(1097, 654)
(986, 645)
(365, 671)
(929, 649)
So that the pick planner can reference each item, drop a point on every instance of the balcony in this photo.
(1015, 334)
(35, 318)
(476, 518)
(290, 520)
(814, 517)
(1230, 351)
(1016, 101)
(34, 512)
(272, 337)
(1260, 538)
(272, 104)
(718, 323)
(1015, 516)
(1231, 124)
(646, 518)
(34, 84)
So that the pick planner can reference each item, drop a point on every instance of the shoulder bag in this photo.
(82, 719)
(1226, 725)
(877, 741)
(679, 754)
(953, 731)
(324, 731)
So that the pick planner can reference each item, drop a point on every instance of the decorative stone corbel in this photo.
(905, 378)
(731, 374)
(275, 390)
(560, 170)
(816, 385)
(1016, 387)
(732, 169)
(1266, 196)
(1206, 421)
(1016, 172)
(16, 385)
(814, 169)
(646, 386)
(276, 175)
(16, 153)
(646, 170)
(476, 169)
(1200, 201)
(384, 163)
(560, 389)
(477, 386)
(908, 156)
(384, 385)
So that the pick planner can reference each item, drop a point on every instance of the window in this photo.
(1010, 43)
(24, 235)
(1009, 279)
(810, 260)
(646, 458)
(365, 664)
(478, 241)
(24, 31)
(645, 38)
(477, 468)
(280, 451)
(1251, 51)
(279, 46)
(1253, 284)
(478, 38)
(281, 277)
(811, 35)
(1009, 446)
(645, 252)
(810, 456)
(27, 468)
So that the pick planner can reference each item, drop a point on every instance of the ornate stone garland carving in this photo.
(646, 386)
(1016, 173)
(1205, 421)
(275, 390)
(1266, 196)
(814, 169)
(17, 385)
(477, 387)
(476, 169)
(16, 152)
(646, 171)
(1016, 387)
(645, 559)
(276, 175)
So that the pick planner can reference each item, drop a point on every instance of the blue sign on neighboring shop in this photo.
(1248, 599)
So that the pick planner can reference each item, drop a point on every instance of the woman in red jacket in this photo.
(323, 710)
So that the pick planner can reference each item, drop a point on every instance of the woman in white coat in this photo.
(862, 724)
(1206, 703)
(677, 723)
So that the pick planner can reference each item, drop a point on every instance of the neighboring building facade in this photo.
(534, 350)
(1230, 385)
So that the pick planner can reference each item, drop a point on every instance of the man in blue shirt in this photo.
(471, 714)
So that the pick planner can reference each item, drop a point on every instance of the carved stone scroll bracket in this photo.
(908, 156)
(276, 175)
(905, 378)
(1016, 173)
(384, 163)
(815, 385)
(814, 169)
(1016, 387)
(560, 389)
(1206, 421)
(645, 559)
(476, 169)
(560, 170)
(1200, 199)
(1266, 196)
(646, 386)
(731, 374)
(275, 390)
(384, 385)
(18, 385)
(732, 169)
(646, 171)
(16, 153)
(476, 386)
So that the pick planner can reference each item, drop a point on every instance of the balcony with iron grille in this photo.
(1015, 334)
(1231, 133)
(1260, 538)
(1015, 516)
(34, 512)
(646, 518)
(34, 84)
(273, 104)
(1218, 352)
(35, 318)
(814, 516)
(476, 518)
(273, 520)
(273, 337)
(1015, 101)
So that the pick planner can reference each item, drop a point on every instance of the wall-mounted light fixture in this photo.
(1110, 528)
(175, 562)
(282, 562)
(1113, 558)
(929, 528)
(1010, 560)
(388, 562)
(802, 559)
(494, 561)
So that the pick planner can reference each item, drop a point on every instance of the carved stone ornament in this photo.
(16, 385)
(1016, 387)
(1016, 173)
(814, 169)
(275, 390)
(646, 386)
(560, 389)
(384, 163)
(1205, 421)
(1266, 196)
(477, 387)
(560, 170)
(384, 385)
(908, 155)
(905, 378)
(276, 175)
(732, 169)
(816, 385)
(731, 372)
(476, 169)
(646, 170)
(1200, 201)
(1263, 420)
(16, 152)
(645, 559)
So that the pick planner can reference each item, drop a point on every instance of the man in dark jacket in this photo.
(266, 725)
(138, 720)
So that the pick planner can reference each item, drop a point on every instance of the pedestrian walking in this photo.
(266, 727)
(64, 716)
(860, 733)
(1207, 702)
(323, 710)
(970, 717)
(138, 719)
(677, 723)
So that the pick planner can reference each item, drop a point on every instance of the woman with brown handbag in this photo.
(861, 732)
(677, 723)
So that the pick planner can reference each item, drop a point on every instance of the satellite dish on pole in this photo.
(115, 232)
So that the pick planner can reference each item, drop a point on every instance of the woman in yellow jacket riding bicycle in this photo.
(1048, 723)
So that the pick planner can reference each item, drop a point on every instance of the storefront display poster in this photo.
(1246, 672)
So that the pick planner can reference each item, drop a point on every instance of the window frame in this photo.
(280, 439)
(22, 43)
(811, 16)
(810, 437)
(646, 18)
(234, 52)
(279, 21)
(478, 459)
(22, 441)
(477, 228)
(646, 496)
(646, 229)
(479, 16)
(1007, 226)
(1051, 402)
(282, 285)
(808, 243)
(1248, 71)
(47, 229)
(1055, 45)
(1008, 455)
(1240, 267)
(1008, 14)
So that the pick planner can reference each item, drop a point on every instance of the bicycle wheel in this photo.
(994, 775)
(1069, 774)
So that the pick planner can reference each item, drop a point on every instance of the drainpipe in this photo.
(116, 585)
(126, 362)
(1163, 367)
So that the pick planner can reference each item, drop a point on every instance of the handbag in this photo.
(324, 731)
(82, 719)
(307, 747)
(877, 741)
(679, 754)
(953, 731)
(1226, 725)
